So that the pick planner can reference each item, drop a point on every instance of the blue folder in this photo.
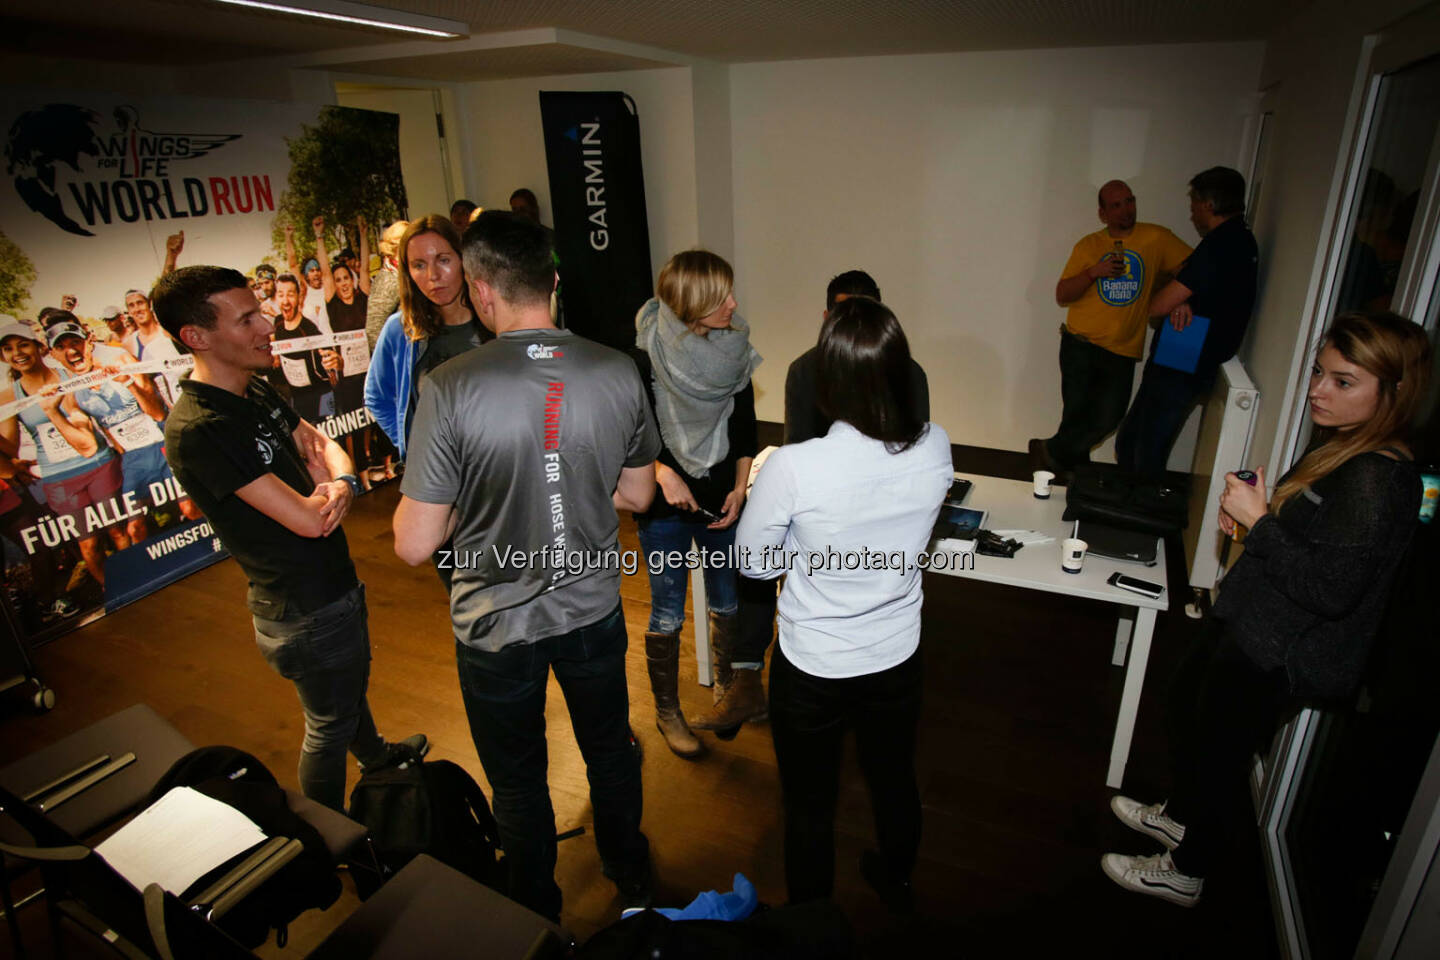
(1180, 349)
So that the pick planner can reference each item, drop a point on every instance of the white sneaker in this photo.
(1149, 820)
(1155, 876)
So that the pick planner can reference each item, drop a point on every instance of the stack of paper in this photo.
(178, 839)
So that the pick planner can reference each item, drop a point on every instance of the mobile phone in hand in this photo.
(708, 514)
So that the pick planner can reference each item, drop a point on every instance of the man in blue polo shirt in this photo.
(1217, 282)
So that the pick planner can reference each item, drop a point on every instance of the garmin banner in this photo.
(103, 195)
(597, 194)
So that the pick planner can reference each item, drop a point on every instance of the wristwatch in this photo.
(353, 480)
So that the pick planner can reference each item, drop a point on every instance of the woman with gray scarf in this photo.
(695, 357)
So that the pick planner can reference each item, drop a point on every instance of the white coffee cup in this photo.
(1072, 554)
(1042, 484)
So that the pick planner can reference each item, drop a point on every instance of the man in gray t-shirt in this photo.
(521, 452)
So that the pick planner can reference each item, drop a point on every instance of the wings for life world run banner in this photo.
(103, 194)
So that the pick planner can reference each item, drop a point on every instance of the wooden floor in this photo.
(1020, 705)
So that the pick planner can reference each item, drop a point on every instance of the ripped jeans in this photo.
(668, 586)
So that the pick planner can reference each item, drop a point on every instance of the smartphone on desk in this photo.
(1145, 588)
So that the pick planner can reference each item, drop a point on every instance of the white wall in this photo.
(960, 182)
(507, 145)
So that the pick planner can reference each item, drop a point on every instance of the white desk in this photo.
(1012, 506)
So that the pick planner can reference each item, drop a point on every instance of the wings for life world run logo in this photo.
(1123, 290)
(121, 171)
(542, 351)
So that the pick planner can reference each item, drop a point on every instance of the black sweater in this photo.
(1311, 588)
(710, 490)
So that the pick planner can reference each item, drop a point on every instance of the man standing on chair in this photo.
(1105, 287)
(275, 489)
(1218, 283)
(523, 450)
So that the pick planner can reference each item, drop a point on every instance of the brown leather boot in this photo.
(662, 656)
(744, 700)
(723, 630)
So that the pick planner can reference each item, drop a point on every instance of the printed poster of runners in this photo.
(103, 195)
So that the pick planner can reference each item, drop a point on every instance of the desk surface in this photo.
(1011, 505)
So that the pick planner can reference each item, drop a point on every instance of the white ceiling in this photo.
(192, 32)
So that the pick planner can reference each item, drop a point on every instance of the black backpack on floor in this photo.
(434, 808)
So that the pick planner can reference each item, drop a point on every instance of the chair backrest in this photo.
(73, 870)
(180, 933)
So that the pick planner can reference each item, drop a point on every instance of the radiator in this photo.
(1226, 426)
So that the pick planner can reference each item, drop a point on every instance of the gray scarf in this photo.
(696, 379)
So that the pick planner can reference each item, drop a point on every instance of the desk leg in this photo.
(702, 628)
(1130, 698)
(1123, 629)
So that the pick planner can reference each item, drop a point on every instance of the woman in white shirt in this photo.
(847, 515)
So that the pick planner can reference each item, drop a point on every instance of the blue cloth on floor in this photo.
(713, 905)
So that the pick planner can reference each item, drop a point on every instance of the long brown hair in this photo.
(1397, 352)
(420, 316)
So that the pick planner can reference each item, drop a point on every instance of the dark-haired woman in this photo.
(1296, 616)
(435, 322)
(849, 649)
(694, 355)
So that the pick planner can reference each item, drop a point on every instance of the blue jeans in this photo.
(504, 694)
(326, 654)
(1162, 405)
(668, 587)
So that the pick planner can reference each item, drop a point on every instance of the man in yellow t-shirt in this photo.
(1106, 286)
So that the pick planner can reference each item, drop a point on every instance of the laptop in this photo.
(1116, 544)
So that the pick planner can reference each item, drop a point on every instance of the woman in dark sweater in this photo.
(1296, 616)
(695, 358)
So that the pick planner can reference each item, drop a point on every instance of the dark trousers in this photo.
(1162, 405)
(1094, 389)
(756, 609)
(1223, 709)
(808, 718)
(326, 654)
(504, 695)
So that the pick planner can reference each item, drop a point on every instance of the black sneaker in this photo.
(410, 750)
(897, 895)
(636, 887)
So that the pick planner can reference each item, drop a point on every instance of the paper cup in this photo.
(1042, 484)
(1072, 554)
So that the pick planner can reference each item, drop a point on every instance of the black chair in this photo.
(87, 781)
(427, 909)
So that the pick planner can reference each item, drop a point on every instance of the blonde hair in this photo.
(1397, 352)
(694, 284)
(390, 238)
(419, 315)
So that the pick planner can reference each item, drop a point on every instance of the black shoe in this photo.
(1040, 457)
(410, 750)
(897, 895)
(729, 733)
(637, 888)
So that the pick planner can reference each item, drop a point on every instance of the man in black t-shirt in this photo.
(521, 451)
(275, 489)
(803, 419)
(1218, 283)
